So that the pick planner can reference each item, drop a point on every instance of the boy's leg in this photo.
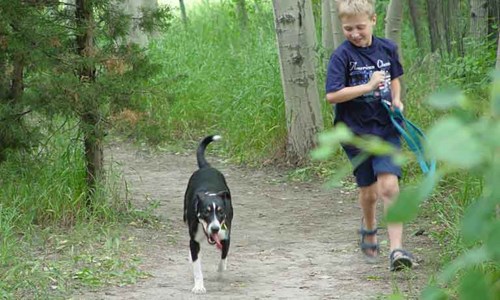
(388, 190)
(368, 203)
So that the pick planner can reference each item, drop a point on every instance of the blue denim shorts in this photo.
(366, 172)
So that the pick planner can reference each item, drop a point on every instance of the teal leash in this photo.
(413, 137)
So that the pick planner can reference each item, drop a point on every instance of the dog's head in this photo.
(211, 211)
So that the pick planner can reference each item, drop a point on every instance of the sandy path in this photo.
(289, 240)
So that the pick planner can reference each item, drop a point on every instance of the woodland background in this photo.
(75, 75)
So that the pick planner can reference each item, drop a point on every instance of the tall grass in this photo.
(44, 219)
(220, 78)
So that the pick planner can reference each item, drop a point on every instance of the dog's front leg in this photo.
(223, 258)
(199, 287)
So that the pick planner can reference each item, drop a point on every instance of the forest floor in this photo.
(290, 240)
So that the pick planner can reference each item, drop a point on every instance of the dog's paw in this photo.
(222, 265)
(199, 290)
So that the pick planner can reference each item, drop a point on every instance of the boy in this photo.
(358, 68)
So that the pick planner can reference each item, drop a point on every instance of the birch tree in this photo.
(393, 27)
(415, 16)
(434, 15)
(296, 40)
(136, 9)
(183, 12)
(478, 18)
(338, 35)
(326, 30)
(393, 22)
(498, 52)
(452, 33)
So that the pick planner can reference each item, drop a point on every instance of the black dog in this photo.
(208, 212)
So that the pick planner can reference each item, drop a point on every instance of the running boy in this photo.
(356, 71)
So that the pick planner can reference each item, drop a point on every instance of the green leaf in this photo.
(493, 242)
(374, 145)
(477, 220)
(468, 259)
(322, 152)
(339, 134)
(329, 141)
(433, 293)
(453, 142)
(474, 286)
(447, 99)
(336, 180)
(406, 206)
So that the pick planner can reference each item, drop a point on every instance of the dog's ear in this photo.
(224, 195)
(197, 199)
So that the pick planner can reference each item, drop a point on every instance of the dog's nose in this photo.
(215, 229)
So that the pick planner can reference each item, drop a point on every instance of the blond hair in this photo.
(348, 8)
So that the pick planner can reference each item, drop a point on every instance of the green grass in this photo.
(220, 78)
(50, 243)
(216, 78)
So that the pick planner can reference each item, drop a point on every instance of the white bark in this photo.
(133, 8)
(326, 30)
(478, 18)
(296, 40)
(393, 23)
(338, 35)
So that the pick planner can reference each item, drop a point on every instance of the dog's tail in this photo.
(200, 153)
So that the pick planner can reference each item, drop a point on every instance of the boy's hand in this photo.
(396, 103)
(376, 80)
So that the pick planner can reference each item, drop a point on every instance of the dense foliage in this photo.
(210, 75)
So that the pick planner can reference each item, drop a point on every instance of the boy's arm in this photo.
(352, 92)
(396, 94)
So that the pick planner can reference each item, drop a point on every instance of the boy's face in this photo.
(358, 29)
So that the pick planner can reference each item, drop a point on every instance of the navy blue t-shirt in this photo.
(350, 66)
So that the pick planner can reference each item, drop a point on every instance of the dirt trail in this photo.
(289, 240)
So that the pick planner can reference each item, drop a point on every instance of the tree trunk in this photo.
(393, 26)
(498, 52)
(494, 17)
(242, 13)
(326, 31)
(90, 117)
(478, 19)
(452, 33)
(416, 17)
(393, 21)
(434, 14)
(338, 35)
(133, 8)
(296, 39)
(183, 12)
(11, 91)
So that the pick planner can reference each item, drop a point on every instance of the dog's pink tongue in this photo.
(215, 237)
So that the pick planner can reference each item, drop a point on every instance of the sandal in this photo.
(403, 261)
(368, 246)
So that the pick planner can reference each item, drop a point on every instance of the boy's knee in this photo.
(388, 186)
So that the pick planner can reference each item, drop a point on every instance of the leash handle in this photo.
(412, 135)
